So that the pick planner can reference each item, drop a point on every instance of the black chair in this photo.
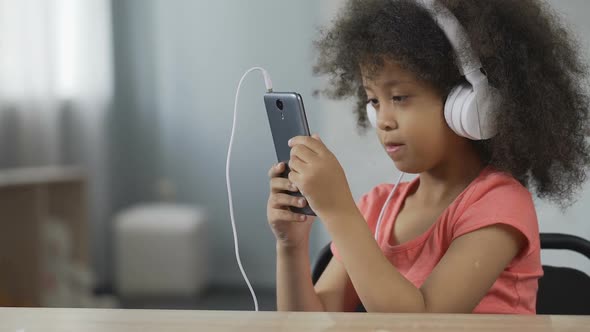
(324, 257)
(562, 290)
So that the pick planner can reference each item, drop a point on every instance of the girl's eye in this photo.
(373, 102)
(399, 99)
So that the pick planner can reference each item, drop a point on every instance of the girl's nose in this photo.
(386, 119)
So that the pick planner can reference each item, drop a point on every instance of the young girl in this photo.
(463, 236)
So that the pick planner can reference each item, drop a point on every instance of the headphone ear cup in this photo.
(454, 107)
(372, 115)
(479, 122)
(470, 117)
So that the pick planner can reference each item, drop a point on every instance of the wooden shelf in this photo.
(39, 175)
(28, 198)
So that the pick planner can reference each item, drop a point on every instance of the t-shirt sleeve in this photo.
(500, 201)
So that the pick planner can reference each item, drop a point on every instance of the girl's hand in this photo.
(290, 229)
(319, 176)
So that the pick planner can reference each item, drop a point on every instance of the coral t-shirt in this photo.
(492, 198)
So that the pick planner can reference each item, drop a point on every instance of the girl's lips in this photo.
(394, 149)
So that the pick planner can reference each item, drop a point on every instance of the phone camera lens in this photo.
(280, 104)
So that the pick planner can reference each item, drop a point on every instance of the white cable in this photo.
(380, 219)
(268, 85)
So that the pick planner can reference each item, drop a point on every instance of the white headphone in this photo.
(469, 106)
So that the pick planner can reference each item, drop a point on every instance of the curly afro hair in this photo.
(527, 53)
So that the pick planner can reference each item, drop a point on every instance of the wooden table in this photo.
(113, 320)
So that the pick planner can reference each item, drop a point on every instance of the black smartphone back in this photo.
(286, 116)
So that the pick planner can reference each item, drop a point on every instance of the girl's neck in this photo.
(443, 183)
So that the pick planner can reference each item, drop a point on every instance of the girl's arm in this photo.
(294, 287)
(458, 283)
(333, 292)
(336, 290)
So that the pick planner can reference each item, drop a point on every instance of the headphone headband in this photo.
(468, 62)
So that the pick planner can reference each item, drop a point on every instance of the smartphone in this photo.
(286, 116)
